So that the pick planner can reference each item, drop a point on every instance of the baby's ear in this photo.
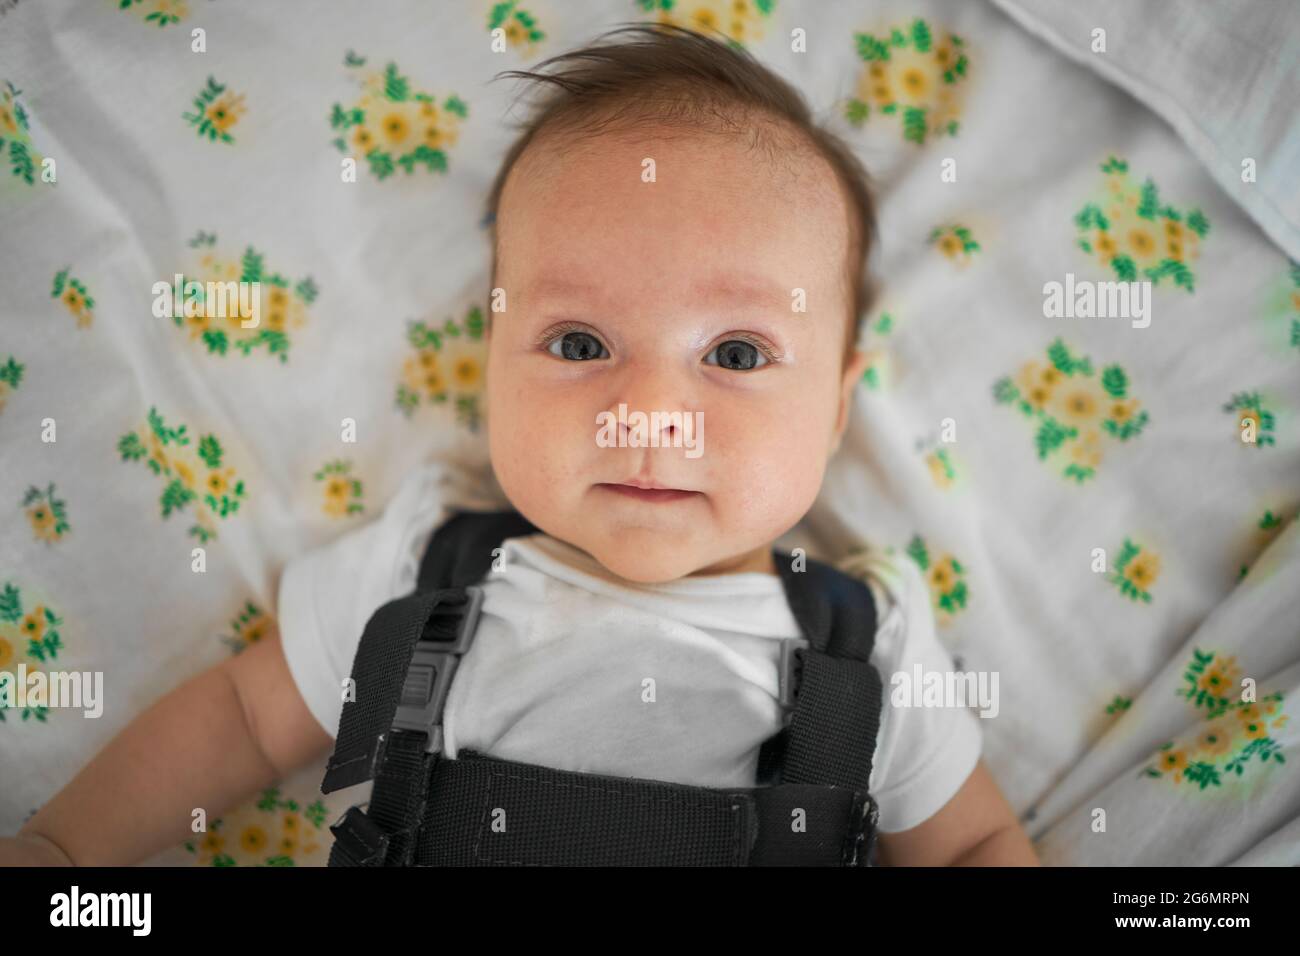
(853, 372)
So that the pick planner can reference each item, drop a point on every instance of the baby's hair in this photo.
(668, 76)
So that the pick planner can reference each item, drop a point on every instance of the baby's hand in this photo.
(31, 849)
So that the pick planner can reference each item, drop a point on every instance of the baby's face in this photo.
(620, 291)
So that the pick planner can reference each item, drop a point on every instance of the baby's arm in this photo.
(977, 827)
(212, 742)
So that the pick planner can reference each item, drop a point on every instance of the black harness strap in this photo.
(379, 670)
(460, 552)
(484, 811)
(478, 809)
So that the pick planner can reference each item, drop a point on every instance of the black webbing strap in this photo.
(407, 711)
(479, 809)
(486, 811)
(831, 737)
(461, 551)
(379, 669)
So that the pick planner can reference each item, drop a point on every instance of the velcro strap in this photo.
(486, 811)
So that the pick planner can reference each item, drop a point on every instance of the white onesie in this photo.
(564, 654)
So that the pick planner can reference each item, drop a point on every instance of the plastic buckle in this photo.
(789, 671)
(433, 664)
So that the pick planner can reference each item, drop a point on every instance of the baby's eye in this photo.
(577, 347)
(738, 355)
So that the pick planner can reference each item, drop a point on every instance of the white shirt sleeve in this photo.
(327, 594)
(923, 754)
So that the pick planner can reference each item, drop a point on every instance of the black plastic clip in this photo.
(790, 670)
(447, 635)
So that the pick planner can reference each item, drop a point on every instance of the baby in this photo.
(673, 233)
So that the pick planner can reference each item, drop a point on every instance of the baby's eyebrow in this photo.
(719, 290)
(741, 290)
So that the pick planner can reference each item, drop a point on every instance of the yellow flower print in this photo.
(1086, 452)
(1175, 760)
(1254, 729)
(1122, 411)
(7, 120)
(1141, 243)
(253, 839)
(914, 75)
(428, 112)
(363, 139)
(423, 373)
(198, 324)
(939, 470)
(446, 367)
(466, 369)
(1143, 570)
(1216, 738)
(43, 522)
(8, 653)
(1036, 383)
(704, 19)
(1221, 677)
(225, 112)
(1079, 402)
(1106, 245)
(216, 110)
(1249, 714)
(212, 843)
(956, 242)
(290, 822)
(256, 629)
(394, 127)
(218, 482)
(34, 623)
(336, 496)
(76, 303)
(185, 473)
(434, 138)
(168, 11)
(943, 575)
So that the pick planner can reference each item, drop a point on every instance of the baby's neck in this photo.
(758, 561)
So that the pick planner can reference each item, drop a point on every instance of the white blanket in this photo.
(1071, 434)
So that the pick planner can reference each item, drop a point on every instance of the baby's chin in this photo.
(641, 559)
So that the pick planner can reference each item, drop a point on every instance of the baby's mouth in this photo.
(660, 495)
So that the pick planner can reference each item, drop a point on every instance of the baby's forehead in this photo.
(784, 162)
(616, 195)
